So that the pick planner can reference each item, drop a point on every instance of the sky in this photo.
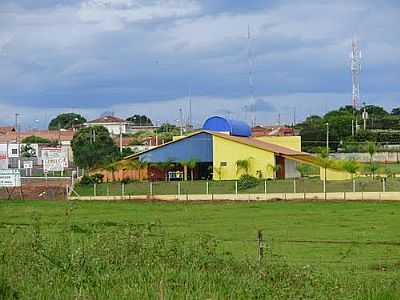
(151, 56)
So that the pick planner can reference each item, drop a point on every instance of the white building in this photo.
(117, 125)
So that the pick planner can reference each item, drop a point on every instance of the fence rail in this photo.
(284, 189)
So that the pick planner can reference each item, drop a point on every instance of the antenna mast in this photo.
(355, 75)
(355, 72)
(251, 83)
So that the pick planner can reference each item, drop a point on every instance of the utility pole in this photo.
(327, 138)
(180, 120)
(365, 117)
(17, 140)
(120, 137)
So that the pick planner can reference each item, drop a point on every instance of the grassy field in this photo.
(308, 185)
(314, 250)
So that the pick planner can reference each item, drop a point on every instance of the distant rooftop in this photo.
(107, 119)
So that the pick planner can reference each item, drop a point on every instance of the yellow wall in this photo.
(291, 142)
(229, 151)
(332, 174)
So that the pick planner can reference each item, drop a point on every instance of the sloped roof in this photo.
(243, 140)
(107, 119)
(63, 135)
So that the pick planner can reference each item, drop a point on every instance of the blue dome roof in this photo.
(234, 127)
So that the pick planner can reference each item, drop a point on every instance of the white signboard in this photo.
(28, 164)
(3, 160)
(10, 178)
(54, 160)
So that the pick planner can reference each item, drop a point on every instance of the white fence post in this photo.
(384, 185)
(123, 189)
(207, 187)
(236, 187)
(179, 188)
(265, 187)
(151, 188)
(294, 186)
(95, 190)
(354, 185)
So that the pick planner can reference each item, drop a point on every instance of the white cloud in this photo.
(115, 14)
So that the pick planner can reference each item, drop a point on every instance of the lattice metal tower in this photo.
(252, 104)
(355, 72)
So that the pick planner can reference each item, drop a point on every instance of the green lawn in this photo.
(308, 185)
(151, 250)
(235, 224)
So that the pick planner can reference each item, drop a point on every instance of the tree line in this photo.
(381, 127)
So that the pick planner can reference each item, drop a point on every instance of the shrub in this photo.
(96, 178)
(246, 182)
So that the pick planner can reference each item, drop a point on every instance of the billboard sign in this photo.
(54, 160)
(10, 178)
(3, 160)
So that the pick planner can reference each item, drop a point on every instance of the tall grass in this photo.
(143, 262)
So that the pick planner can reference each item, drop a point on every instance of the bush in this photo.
(96, 178)
(246, 182)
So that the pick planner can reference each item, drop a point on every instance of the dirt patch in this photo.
(37, 189)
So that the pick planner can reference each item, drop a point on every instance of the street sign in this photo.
(10, 178)
(28, 164)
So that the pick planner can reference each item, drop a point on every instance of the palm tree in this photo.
(243, 165)
(274, 168)
(164, 166)
(111, 168)
(184, 164)
(323, 158)
(191, 164)
(371, 148)
(303, 169)
(141, 164)
(351, 166)
(216, 171)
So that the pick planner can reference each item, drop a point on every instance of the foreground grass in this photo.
(60, 250)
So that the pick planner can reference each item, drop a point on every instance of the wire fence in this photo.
(287, 186)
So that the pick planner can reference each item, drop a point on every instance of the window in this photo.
(223, 164)
(14, 151)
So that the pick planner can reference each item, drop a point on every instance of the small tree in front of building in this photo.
(192, 164)
(93, 146)
(243, 165)
(352, 167)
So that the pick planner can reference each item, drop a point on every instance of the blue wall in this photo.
(234, 127)
(197, 147)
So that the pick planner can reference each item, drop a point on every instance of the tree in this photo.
(371, 148)
(274, 168)
(376, 111)
(184, 164)
(396, 111)
(66, 121)
(166, 127)
(93, 146)
(140, 120)
(28, 151)
(33, 139)
(325, 162)
(192, 165)
(303, 169)
(243, 165)
(351, 166)
(141, 164)
(164, 167)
